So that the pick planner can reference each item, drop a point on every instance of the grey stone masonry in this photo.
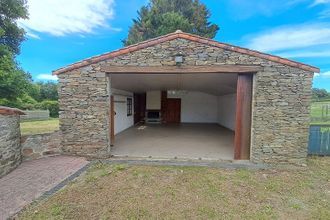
(280, 108)
(84, 106)
(10, 147)
(41, 145)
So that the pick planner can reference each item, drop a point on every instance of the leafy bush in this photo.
(25, 102)
(52, 106)
(11, 103)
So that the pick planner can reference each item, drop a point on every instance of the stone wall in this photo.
(40, 145)
(281, 100)
(10, 147)
(281, 110)
(84, 106)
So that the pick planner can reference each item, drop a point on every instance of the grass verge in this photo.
(166, 192)
(316, 113)
(39, 127)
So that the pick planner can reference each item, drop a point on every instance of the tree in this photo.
(165, 16)
(48, 91)
(319, 94)
(13, 80)
(10, 34)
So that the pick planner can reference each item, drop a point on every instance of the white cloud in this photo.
(32, 35)
(63, 17)
(319, 2)
(323, 74)
(291, 37)
(325, 14)
(46, 77)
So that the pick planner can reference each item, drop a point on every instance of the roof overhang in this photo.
(191, 37)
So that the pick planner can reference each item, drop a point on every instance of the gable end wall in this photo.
(281, 100)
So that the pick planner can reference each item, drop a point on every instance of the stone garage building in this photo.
(184, 96)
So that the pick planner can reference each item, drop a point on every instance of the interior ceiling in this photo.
(212, 83)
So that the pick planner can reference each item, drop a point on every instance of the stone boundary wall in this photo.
(41, 145)
(10, 138)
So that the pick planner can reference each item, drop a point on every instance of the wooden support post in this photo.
(112, 121)
(243, 117)
(163, 106)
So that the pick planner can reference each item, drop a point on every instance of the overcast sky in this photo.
(62, 32)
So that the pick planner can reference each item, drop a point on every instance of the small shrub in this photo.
(25, 102)
(52, 106)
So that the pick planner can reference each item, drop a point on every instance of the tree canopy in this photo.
(320, 94)
(161, 17)
(16, 86)
(45, 91)
(13, 80)
(11, 35)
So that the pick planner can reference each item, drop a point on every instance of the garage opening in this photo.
(187, 116)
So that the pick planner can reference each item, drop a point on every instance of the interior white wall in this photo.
(227, 111)
(197, 107)
(122, 121)
(153, 101)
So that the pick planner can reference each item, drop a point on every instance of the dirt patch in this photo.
(167, 192)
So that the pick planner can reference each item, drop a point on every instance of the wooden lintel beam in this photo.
(181, 69)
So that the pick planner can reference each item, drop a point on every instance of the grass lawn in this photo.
(167, 192)
(316, 113)
(39, 127)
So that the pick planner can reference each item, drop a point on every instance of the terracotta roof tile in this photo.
(195, 38)
(10, 111)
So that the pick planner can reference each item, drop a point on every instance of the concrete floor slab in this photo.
(182, 141)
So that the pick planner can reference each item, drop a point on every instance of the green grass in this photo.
(169, 192)
(39, 127)
(316, 113)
